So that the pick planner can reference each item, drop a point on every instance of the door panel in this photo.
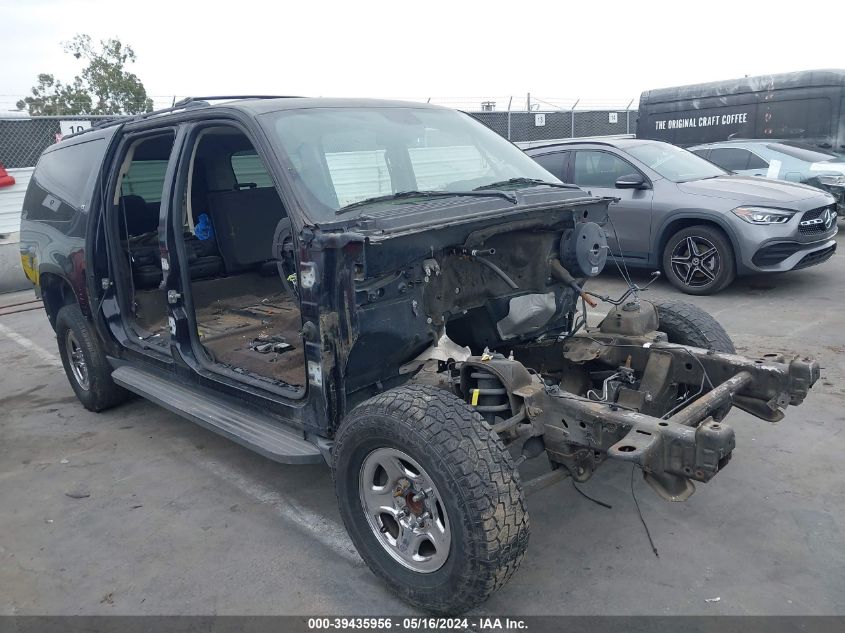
(629, 229)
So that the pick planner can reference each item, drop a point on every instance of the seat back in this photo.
(244, 222)
(141, 217)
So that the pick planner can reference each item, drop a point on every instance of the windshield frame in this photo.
(490, 146)
(712, 170)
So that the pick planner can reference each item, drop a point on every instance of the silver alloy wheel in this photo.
(696, 262)
(76, 358)
(404, 510)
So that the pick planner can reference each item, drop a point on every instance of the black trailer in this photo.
(807, 105)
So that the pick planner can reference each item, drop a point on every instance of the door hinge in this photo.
(173, 296)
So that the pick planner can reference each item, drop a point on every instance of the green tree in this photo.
(104, 86)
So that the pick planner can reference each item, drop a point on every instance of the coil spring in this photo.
(492, 396)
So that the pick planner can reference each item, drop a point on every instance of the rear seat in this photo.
(244, 222)
(142, 224)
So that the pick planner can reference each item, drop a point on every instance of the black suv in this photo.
(390, 288)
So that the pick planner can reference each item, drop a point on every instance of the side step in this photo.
(238, 423)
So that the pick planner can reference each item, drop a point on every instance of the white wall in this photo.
(11, 200)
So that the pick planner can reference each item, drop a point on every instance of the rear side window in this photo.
(249, 169)
(730, 158)
(553, 163)
(145, 178)
(756, 162)
(62, 181)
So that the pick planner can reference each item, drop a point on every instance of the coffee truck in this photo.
(807, 106)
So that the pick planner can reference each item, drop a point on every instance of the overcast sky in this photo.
(601, 51)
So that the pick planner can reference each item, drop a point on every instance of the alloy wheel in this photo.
(695, 261)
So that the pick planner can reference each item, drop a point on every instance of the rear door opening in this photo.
(137, 204)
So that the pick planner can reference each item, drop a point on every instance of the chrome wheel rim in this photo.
(404, 510)
(696, 262)
(76, 359)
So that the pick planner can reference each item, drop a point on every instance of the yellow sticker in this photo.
(475, 394)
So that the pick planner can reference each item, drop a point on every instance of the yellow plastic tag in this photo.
(475, 394)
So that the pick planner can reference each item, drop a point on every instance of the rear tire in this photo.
(475, 495)
(687, 324)
(699, 260)
(86, 366)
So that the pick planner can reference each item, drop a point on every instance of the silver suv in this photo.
(784, 160)
(701, 224)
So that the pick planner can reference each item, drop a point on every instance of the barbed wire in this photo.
(527, 119)
(496, 103)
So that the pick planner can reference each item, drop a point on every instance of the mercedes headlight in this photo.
(762, 215)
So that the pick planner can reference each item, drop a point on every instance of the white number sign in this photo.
(72, 127)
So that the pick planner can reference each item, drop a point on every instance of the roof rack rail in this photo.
(182, 104)
(188, 100)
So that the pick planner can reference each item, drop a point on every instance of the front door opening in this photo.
(248, 318)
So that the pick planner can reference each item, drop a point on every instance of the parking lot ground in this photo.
(136, 511)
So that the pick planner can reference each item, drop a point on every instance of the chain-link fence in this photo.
(528, 118)
(22, 139)
(546, 125)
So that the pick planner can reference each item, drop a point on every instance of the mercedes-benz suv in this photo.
(701, 224)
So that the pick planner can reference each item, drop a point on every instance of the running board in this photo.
(240, 424)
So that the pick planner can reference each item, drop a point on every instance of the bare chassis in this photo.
(673, 449)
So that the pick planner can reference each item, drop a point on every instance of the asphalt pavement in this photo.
(137, 511)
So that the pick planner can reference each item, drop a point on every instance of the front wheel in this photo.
(699, 260)
(430, 497)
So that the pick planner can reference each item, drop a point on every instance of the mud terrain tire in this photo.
(475, 480)
(687, 324)
(79, 347)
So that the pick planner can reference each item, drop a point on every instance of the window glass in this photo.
(801, 152)
(357, 166)
(553, 163)
(437, 166)
(674, 163)
(145, 178)
(700, 152)
(249, 168)
(63, 178)
(600, 169)
(142, 186)
(756, 162)
(339, 156)
(730, 158)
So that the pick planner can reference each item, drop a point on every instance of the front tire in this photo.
(699, 260)
(86, 366)
(424, 453)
